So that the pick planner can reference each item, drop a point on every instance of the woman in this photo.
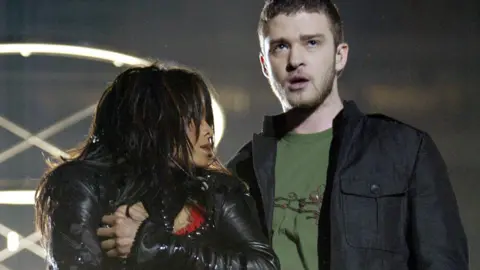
(151, 143)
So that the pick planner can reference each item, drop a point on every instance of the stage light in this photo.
(29, 49)
(13, 241)
(17, 197)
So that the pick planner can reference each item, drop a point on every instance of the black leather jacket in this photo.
(388, 202)
(230, 239)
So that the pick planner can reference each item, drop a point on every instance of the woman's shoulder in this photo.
(73, 183)
(72, 173)
(224, 182)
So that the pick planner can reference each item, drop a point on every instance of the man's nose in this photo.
(295, 59)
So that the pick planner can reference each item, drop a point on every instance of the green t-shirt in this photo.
(300, 178)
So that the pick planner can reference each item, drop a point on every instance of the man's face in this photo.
(300, 59)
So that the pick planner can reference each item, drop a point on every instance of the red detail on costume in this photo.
(197, 219)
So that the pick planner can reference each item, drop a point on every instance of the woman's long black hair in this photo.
(140, 127)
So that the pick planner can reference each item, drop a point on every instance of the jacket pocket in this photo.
(374, 211)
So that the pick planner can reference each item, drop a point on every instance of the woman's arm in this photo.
(73, 215)
(244, 246)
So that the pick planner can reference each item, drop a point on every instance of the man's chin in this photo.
(302, 102)
(305, 99)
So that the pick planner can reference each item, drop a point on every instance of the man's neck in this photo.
(321, 118)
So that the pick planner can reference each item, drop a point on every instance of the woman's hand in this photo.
(122, 229)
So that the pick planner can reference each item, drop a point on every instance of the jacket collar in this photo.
(274, 126)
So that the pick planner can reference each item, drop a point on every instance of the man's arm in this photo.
(437, 238)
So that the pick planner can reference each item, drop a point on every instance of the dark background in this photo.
(417, 61)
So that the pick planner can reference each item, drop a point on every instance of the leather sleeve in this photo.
(241, 166)
(242, 244)
(74, 217)
(437, 238)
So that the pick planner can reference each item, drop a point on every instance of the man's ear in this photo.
(341, 57)
(261, 57)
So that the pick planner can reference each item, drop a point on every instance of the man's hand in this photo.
(122, 229)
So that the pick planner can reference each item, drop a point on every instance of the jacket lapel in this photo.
(264, 154)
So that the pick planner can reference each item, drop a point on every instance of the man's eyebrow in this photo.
(278, 40)
(312, 36)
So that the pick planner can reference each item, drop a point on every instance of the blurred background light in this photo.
(13, 241)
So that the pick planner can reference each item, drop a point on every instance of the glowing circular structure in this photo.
(17, 197)
(20, 197)
(116, 58)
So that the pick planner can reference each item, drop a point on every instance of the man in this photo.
(335, 188)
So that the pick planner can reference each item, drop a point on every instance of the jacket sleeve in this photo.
(74, 217)
(241, 165)
(244, 245)
(438, 239)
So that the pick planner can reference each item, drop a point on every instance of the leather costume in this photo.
(230, 238)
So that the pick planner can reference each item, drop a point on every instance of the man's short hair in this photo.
(273, 8)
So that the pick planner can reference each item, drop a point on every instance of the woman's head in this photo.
(148, 120)
(153, 116)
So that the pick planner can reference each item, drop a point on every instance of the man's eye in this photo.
(280, 47)
(312, 43)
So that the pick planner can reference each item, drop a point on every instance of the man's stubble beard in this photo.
(320, 94)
